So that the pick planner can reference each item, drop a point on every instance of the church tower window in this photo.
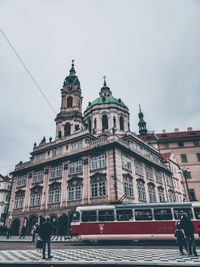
(69, 102)
(67, 129)
(121, 122)
(90, 125)
(104, 122)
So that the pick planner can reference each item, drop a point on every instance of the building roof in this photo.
(106, 100)
(171, 136)
(5, 178)
(166, 156)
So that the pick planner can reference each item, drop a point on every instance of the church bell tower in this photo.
(70, 119)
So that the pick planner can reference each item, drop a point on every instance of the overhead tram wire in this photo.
(27, 70)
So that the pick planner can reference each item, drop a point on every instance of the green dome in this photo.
(106, 100)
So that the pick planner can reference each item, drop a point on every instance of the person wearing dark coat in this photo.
(45, 234)
(188, 228)
(180, 238)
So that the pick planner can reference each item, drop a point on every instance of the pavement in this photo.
(54, 239)
(103, 257)
(95, 256)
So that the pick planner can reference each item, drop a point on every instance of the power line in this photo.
(27, 70)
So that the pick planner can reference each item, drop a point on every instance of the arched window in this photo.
(90, 125)
(121, 122)
(67, 129)
(69, 102)
(104, 122)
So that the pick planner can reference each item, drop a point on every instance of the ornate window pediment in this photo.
(140, 181)
(20, 193)
(127, 177)
(75, 181)
(151, 185)
(160, 188)
(36, 189)
(98, 177)
(55, 186)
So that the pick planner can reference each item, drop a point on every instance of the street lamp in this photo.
(186, 173)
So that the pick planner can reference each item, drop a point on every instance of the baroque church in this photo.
(94, 159)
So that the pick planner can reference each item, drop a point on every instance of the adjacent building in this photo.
(186, 147)
(94, 159)
(5, 190)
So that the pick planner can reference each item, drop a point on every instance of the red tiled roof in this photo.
(166, 156)
(172, 135)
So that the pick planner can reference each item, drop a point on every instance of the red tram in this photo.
(132, 221)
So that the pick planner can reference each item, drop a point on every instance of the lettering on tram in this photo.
(132, 221)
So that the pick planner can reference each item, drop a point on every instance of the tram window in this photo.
(76, 217)
(106, 215)
(197, 213)
(163, 214)
(89, 216)
(124, 215)
(143, 214)
(178, 212)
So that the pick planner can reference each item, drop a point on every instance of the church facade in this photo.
(94, 159)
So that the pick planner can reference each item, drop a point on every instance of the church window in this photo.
(152, 194)
(40, 156)
(121, 122)
(74, 193)
(159, 177)
(19, 201)
(126, 163)
(75, 167)
(38, 177)
(138, 168)
(169, 181)
(54, 196)
(67, 129)
(149, 172)
(56, 172)
(76, 145)
(21, 181)
(141, 191)
(128, 189)
(59, 134)
(69, 102)
(104, 122)
(90, 125)
(98, 189)
(35, 199)
(95, 123)
(161, 195)
(98, 162)
(57, 151)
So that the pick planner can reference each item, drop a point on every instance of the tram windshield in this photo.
(76, 217)
(197, 213)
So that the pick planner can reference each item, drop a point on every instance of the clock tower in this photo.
(70, 119)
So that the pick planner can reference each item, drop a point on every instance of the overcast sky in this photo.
(149, 51)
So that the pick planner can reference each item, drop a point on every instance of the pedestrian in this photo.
(37, 230)
(180, 238)
(45, 234)
(188, 228)
(23, 232)
(33, 233)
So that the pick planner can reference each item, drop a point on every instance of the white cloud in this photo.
(149, 51)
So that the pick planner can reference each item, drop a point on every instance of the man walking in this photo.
(188, 229)
(45, 234)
